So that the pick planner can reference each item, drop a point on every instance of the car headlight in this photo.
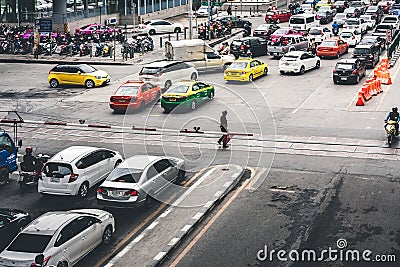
(98, 77)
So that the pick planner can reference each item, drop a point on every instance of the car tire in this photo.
(83, 190)
(250, 77)
(335, 82)
(193, 76)
(211, 95)
(89, 84)
(318, 64)
(193, 105)
(167, 85)
(265, 71)
(152, 32)
(302, 70)
(177, 29)
(62, 264)
(54, 83)
(181, 176)
(149, 201)
(4, 176)
(107, 235)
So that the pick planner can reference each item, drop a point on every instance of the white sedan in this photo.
(351, 37)
(298, 62)
(140, 179)
(319, 34)
(158, 26)
(63, 237)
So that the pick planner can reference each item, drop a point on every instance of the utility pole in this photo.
(133, 5)
(190, 19)
(209, 20)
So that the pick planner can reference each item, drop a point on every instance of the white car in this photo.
(351, 36)
(165, 72)
(340, 19)
(356, 24)
(76, 169)
(393, 19)
(369, 20)
(140, 179)
(298, 62)
(319, 34)
(203, 11)
(158, 26)
(307, 8)
(63, 237)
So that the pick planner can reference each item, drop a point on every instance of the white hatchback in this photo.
(158, 26)
(319, 34)
(298, 62)
(76, 169)
(351, 37)
(63, 237)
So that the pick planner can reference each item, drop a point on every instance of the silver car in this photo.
(61, 236)
(140, 179)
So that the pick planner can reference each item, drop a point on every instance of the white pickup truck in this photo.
(198, 53)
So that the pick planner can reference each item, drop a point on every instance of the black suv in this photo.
(378, 41)
(369, 54)
(349, 70)
(257, 46)
(237, 22)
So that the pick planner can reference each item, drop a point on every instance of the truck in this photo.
(287, 43)
(198, 53)
(8, 156)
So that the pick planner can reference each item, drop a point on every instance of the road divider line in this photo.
(254, 180)
(209, 224)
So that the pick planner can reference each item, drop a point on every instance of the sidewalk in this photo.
(152, 245)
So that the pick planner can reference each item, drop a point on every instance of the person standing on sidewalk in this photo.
(229, 11)
(224, 128)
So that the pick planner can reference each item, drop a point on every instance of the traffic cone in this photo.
(365, 92)
(360, 100)
(389, 80)
(372, 88)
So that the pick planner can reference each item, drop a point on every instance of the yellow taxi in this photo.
(82, 74)
(323, 3)
(186, 94)
(245, 69)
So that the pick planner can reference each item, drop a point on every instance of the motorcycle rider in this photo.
(224, 49)
(335, 28)
(247, 29)
(29, 161)
(393, 116)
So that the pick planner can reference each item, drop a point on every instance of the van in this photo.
(303, 22)
(369, 54)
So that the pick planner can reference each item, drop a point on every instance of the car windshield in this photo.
(339, 3)
(55, 169)
(362, 51)
(128, 90)
(346, 34)
(344, 66)
(264, 26)
(315, 32)
(280, 31)
(382, 27)
(87, 69)
(150, 70)
(328, 43)
(395, 6)
(356, 4)
(296, 20)
(364, 17)
(389, 20)
(340, 16)
(125, 175)
(30, 243)
(368, 41)
(290, 56)
(352, 22)
(321, 13)
(238, 65)
(179, 89)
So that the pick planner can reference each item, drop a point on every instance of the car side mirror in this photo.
(79, 72)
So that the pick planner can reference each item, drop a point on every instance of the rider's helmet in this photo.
(28, 150)
(394, 109)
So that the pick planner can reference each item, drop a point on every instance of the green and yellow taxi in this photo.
(186, 94)
(245, 69)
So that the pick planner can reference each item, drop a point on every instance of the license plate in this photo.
(122, 100)
(55, 180)
(172, 99)
(343, 78)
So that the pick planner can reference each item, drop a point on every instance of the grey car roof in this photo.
(139, 162)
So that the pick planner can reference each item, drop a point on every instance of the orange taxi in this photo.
(134, 95)
(333, 47)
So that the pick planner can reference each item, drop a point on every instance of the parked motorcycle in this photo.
(84, 49)
(28, 178)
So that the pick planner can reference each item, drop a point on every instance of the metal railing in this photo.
(394, 45)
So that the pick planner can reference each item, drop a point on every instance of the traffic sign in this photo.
(44, 25)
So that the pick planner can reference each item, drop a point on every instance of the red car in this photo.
(283, 31)
(95, 28)
(278, 16)
(134, 95)
(333, 47)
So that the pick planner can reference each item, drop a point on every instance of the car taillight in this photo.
(353, 37)
(40, 175)
(283, 49)
(242, 47)
(158, 74)
(354, 72)
(334, 71)
(322, 34)
(133, 193)
(46, 260)
(73, 177)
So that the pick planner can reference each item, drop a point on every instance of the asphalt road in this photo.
(305, 201)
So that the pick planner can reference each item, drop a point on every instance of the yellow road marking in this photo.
(140, 226)
(209, 224)
(255, 179)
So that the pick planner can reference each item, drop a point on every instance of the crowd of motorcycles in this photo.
(20, 40)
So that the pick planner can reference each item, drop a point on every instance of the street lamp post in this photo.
(133, 6)
(190, 19)
(209, 20)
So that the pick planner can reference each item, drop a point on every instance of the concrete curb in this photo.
(189, 226)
